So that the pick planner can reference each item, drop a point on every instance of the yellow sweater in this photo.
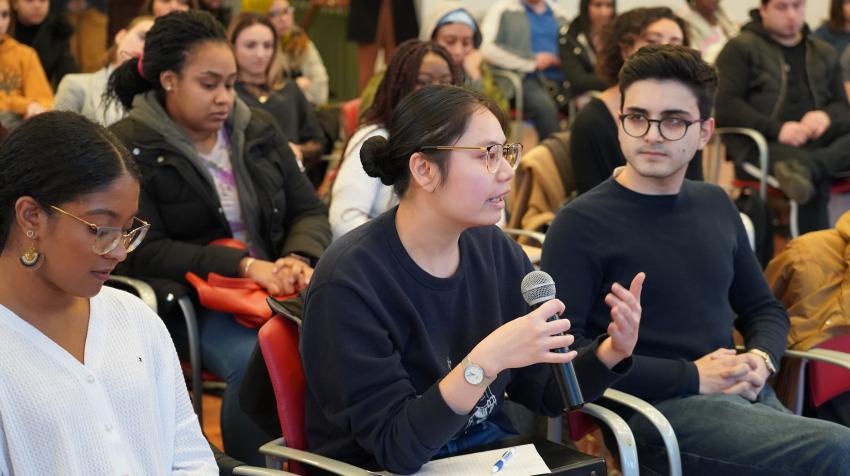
(22, 79)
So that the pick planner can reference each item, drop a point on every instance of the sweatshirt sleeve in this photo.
(354, 372)
(568, 257)
(762, 320)
(314, 69)
(537, 389)
(34, 85)
(732, 108)
(495, 54)
(69, 95)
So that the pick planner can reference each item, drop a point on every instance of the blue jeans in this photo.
(226, 347)
(729, 435)
(481, 434)
(539, 106)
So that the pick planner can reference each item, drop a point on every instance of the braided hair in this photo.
(401, 78)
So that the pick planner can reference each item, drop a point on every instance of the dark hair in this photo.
(676, 63)
(167, 44)
(248, 19)
(624, 31)
(836, 20)
(57, 157)
(581, 23)
(147, 6)
(432, 115)
(400, 78)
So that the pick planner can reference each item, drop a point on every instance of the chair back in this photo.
(349, 113)
(278, 340)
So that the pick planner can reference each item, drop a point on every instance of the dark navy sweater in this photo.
(379, 333)
(700, 274)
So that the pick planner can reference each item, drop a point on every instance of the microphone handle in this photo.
(565, 375)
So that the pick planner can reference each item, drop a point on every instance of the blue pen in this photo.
(503, 460)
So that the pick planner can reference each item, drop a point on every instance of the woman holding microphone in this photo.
(414, 324)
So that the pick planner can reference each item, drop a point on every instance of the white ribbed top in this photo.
(125, 411)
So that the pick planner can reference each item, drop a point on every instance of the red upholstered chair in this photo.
(278, 340)
(349, 112)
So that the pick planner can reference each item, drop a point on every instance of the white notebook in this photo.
(526, 461)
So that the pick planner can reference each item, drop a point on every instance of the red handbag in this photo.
(242, 297)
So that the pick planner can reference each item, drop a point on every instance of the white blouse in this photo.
(125, 411)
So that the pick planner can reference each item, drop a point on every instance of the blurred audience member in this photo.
(254, 44)
(217, 9)
(356, 197)
(780, 80)
(24, 90)
(48, 33)
(836, 30)
(379, 24)
(579, 45)
(83, 93)
(710, 27)
(522, 36)
(88, 43)
(297, 58)
(158, 8)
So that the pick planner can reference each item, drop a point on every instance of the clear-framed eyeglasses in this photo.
(671, 128)
(281, 11)
(107, 238)
(492, 155)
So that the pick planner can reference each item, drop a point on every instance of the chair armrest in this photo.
(275, 450)
(658, 420)
(834, 357)
(761, 143)
(622, 433)
(256, 471)
(138, 287)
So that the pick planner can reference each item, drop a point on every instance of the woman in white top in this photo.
(91, 384)
(356, 197)
(83, 93)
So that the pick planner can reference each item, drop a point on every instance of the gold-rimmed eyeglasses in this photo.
(492, 155)
(107, 238)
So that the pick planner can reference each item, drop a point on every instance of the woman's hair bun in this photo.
(375, 160)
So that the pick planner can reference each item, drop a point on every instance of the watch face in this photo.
(473, 374)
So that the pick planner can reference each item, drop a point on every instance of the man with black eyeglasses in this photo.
(702, 279)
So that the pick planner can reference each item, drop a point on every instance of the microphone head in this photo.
(537, 287)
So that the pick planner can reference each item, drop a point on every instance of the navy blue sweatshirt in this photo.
(379, 333)
(700, 274)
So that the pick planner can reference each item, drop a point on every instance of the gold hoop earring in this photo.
(31, 259)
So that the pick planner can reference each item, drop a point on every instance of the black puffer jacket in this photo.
(185, 212)
(752, 81)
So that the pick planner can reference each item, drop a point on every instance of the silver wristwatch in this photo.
(474, 373)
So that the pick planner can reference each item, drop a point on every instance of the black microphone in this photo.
(537, 288)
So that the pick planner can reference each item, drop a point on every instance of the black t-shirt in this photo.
(379, 334)
(700, 274)
(798, 95)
